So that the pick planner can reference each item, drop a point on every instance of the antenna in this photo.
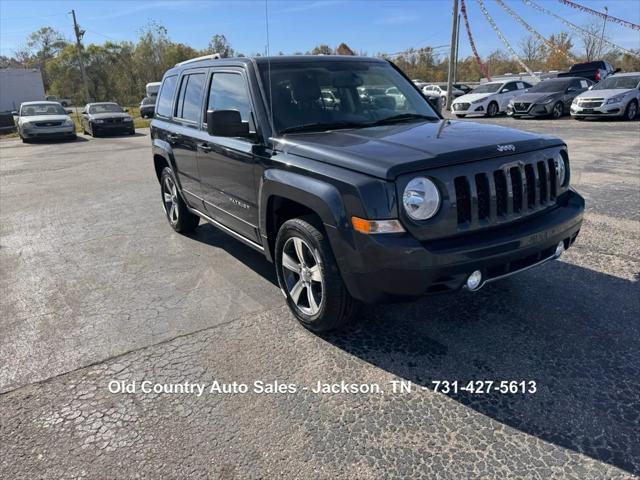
(266, 20)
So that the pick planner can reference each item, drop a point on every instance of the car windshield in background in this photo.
(487, 88)
(340, 94)
(105, 108)
(42, 109)
(549, 86)
(618, 83)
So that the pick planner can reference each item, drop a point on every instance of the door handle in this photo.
(205, 147)
(171, 137)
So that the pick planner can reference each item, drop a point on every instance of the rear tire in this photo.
(178, 215)
(309, 277)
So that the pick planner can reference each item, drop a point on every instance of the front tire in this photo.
(178, 215)
(309, 277)
(492, 110)
(557, 110)
(631, 111)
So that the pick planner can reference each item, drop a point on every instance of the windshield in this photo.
(549, 86)
(618, 83)
(41, 109)
(487, 88)
(105, 108)
(329, 94)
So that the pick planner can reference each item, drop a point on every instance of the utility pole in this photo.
(452, 54)
(604, 24)
(79, 34)
(455, 65)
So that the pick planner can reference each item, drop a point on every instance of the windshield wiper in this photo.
(403, 117)
(315, 127)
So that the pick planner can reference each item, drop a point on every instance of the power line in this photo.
(503, 39)
(577, 28)
(483, 68)
(534, 32)
(604, 16)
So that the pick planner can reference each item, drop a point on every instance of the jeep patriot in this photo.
(366, 197)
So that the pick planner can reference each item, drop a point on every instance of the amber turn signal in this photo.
(376, 226)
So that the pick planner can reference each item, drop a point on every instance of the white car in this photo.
(44, 120)
(489, 99)
(440, 91)
(616, 96)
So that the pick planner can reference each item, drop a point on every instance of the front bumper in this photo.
(48, 133)
(380, 268)
(472, 109)
(536, 110)
(106, 128)
(611, 110)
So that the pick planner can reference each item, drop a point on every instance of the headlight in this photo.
(614, 100)
(68, 123)
(561, 170)
(421, 198)
(128, 119)
(547, 101)
(98, 120)
(480, 100)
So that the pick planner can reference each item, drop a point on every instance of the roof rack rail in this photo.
(213, 56)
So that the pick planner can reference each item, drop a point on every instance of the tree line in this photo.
(119, 71)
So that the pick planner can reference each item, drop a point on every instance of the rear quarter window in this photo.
(165, 98)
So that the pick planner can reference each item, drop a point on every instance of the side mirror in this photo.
(590, 87)
(15, 114)
(226, 123)
(83, 112)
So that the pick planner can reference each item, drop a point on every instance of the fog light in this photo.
(559, 249)
(474, 281)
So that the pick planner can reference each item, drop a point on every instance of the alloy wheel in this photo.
(492, 109)
(632, 111)
(557, 110)
(302, 275)
(170, 199)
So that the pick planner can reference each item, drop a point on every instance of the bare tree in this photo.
(220, 44)
(591, 43)
(532, 50)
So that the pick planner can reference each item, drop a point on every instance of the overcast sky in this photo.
(365, 25)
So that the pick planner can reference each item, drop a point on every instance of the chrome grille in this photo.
(521, 106)
(591, 102)
(48, 124)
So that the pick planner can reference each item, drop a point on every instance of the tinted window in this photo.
(165, 99)
(190, 97)
(510, 87)
(229, 92)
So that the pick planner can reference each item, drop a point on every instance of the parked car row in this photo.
(618, 95)
(49, 120)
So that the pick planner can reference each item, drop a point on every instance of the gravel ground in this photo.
(98, 290)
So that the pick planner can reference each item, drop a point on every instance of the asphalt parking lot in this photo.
(96, 287)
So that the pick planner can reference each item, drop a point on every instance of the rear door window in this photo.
(165, 98)
(189, 104)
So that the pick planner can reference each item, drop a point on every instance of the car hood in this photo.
(44, 118)
(97, 116)
(613, 92)
(391, 150)
(535, 97)
(471, 97)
